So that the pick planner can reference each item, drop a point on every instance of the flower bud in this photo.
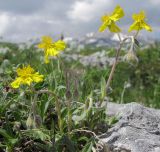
(38, 121)
(130, 57)
(30, 123)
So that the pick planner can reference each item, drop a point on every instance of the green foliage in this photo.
(143, 78)
(29, 127)
(79, 95)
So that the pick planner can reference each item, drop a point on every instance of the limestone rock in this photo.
(138, 129)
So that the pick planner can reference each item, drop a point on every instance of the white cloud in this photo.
(87, 10)
(155, 2)
(22, 27)
(4, 22)
(77, 18)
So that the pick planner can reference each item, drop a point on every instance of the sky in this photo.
(21, 20)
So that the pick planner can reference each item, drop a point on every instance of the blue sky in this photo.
(24, 19)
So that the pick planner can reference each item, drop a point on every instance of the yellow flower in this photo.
(139, 22)
(26, 75)
(108, 21)
(51, 48)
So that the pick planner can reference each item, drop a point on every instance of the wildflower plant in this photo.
(138, 24)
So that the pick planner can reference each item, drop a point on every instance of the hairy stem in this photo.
(114, 65)
(136, 34)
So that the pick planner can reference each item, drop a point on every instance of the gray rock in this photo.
(138, 129)
(98, 59)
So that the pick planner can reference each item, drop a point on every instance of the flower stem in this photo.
(59, 65)
(119, 37)
(136, 34)
(33, 102)
(114, 65)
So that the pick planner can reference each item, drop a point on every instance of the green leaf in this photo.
(79, 118)
(60, 87)
(88, 147)
(83, 139)
(46, 148)
(1, 145)
(8, 138)
(64, 112)
(103, 88)
(46, 106)
(38, 134)
(112, 120)
(5, 134)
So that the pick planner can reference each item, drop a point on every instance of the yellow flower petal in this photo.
(135, 26)
(25, 70)
(104, 18)
(27, 81)
(60, 45)
(139, 17)
(146, 26)
(103, 27)
(16, 83)
(46, 42)
(117, 14)
(114, 28)
(46, 39)
(41, 45)
(52, 52)
(37, 77)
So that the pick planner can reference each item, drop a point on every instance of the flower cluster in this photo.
(109, 21)
(51, 48)
(27, 75)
